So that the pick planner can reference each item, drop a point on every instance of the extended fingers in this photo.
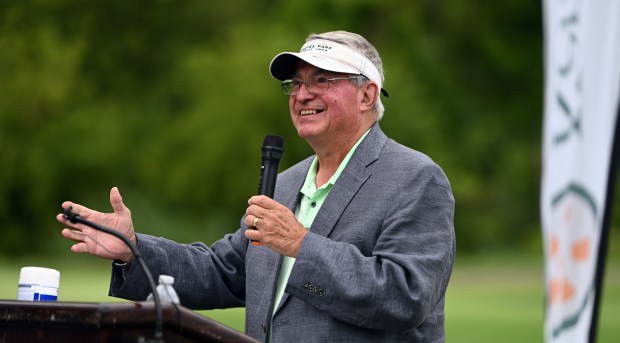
(61, 219)
(79, 247)
(80, 210)
(74, 235)
(71, 226)
(116, 200)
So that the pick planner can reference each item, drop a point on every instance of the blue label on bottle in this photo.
(44, 297)
(47, 297)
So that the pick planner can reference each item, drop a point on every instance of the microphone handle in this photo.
(267, 181)
(272, 150)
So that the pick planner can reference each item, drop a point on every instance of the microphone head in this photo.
(71, 216)
(273, 142)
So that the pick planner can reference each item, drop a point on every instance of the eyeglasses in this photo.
(316, 85)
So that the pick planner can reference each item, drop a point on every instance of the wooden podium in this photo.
(22, 321)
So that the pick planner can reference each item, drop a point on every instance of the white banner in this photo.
(582, 88)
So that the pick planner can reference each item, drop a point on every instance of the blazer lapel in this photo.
(352, 178)
(290, 199)
(348, 184)
(334, 205)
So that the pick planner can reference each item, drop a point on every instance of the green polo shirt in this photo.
(311, 201)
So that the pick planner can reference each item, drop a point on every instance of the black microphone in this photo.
(272, 150)
(75, 218)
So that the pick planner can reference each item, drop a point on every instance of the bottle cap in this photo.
(41, 276)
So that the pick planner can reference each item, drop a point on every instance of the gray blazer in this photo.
(374, 266)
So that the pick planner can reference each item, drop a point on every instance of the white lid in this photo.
(39, 276)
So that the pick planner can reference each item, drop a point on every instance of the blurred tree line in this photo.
(170, 101)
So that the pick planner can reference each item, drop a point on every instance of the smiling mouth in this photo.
(309, 112)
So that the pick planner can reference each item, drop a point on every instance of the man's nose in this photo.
(304, 93)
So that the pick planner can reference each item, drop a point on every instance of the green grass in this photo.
(499, 298)
(494, 298)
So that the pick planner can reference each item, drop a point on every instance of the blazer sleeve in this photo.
(189, 264)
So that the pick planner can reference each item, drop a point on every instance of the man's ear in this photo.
(369, 96)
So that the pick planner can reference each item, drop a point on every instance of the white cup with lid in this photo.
(38, 284)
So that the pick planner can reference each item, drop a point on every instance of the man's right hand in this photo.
(99, 243)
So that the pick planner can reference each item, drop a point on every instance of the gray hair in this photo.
(361, 45)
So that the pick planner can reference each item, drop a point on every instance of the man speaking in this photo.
(357, 244)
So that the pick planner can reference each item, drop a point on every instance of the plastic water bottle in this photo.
(166, 290)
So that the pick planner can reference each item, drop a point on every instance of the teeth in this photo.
(307, 112)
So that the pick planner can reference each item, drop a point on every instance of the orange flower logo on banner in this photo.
(570, 250)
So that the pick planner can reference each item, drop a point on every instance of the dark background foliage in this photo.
(170, 100)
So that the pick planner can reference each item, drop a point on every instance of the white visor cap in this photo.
(327, 55)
